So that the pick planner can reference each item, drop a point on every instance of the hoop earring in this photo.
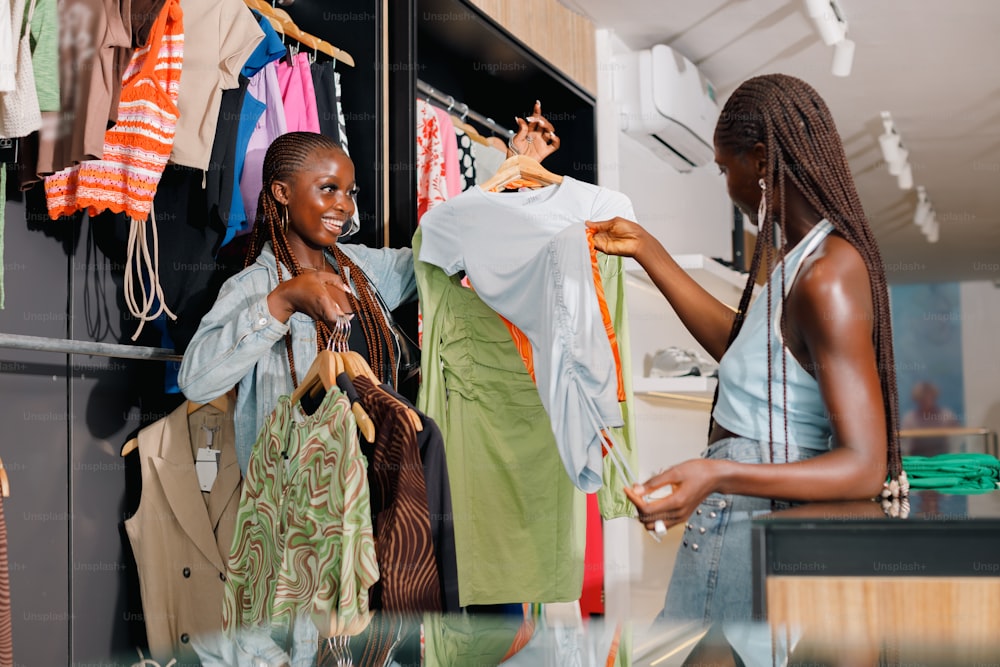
(284, 218)
(762, 209)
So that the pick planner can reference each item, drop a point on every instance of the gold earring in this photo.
(284, 218)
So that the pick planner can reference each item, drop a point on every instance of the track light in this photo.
(831, 25)
(922, 215)
(905, 178)
(843, 57)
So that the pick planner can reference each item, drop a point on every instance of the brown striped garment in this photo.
(403, 543)
(6, 632)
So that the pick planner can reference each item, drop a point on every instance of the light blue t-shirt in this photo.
(527, 256)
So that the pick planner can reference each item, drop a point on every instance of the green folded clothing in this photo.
(953, 473)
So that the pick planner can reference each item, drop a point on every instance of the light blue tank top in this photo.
(742, 405)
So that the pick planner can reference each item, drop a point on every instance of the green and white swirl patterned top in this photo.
(303, 542)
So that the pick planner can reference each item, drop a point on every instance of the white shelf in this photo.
(689, 385)
(722, 282)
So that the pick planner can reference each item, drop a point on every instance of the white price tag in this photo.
(207, 467)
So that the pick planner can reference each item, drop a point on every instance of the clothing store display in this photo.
(297, 94)
(20, 114)
(303, 546)
(436, 479)
(449, 144)
(225, 33)
(183, 529)
(45, 54)
(431, 186)
(408, 576)
(91, 35)
(712, 578)
(6, 624)
(742, 406)
(466, 161)
(270, 125)
(487, 160)
(239, 342)
(517, 248)
(137, 148)
(519, 522)
(464, 639)
(958, 472)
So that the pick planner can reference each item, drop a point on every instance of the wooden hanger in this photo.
(356, 365)
(221, 404)
(520, 167)
(323, 375)
(4, 481)
(288, 28)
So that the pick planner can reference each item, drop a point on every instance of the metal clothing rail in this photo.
(462, 109)
(69, 346)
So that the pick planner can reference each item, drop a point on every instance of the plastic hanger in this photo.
(356, 365)
(520, 167)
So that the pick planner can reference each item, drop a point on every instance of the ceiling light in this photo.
(932, 233)
(828, 17)
(924, 209)
(905, 178)
(843, 57)
(896, 166)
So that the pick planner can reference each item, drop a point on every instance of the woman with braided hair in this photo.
(806, 408)
(271, 319)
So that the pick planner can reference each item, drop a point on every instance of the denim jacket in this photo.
(239, 342)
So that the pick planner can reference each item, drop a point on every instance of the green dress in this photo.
(519, 521)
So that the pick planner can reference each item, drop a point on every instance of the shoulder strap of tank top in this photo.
(808, 244)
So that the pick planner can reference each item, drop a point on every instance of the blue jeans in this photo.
(712, 578)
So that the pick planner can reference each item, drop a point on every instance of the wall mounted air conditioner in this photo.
(666, 103)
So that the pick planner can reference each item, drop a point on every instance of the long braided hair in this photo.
(285, 157)
(792, 121)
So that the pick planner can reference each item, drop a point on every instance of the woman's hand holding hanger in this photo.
(535, 137)
(322, 295)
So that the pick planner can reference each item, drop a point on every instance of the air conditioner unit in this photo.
(666, 103)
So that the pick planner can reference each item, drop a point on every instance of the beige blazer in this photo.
(181, 544)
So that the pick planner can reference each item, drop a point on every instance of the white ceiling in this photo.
(932, 63)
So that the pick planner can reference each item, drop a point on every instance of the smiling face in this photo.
(318, 198)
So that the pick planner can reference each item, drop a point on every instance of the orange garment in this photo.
(523, 345)
(137, 148)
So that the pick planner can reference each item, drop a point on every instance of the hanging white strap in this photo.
(144, 264)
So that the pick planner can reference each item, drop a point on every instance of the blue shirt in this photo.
(240, 343)
(742, 406)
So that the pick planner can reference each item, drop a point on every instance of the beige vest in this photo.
(181, 536)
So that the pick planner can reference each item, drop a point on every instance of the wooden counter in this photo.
(846, 570)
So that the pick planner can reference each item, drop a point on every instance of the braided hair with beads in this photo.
(284, 158)
(792, 121)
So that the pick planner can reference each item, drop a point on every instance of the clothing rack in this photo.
(462, 109)
(70, 346)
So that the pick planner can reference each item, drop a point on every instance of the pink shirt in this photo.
(298, 94)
